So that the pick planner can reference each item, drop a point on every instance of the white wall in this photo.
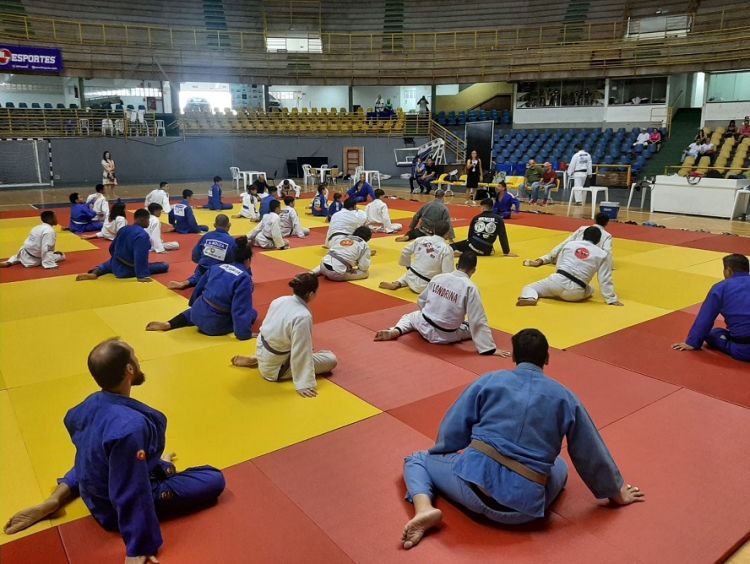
(547, 117)
(678, 91)
(315, 96)
(724, 111)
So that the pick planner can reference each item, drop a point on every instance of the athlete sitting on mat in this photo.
(731, 299)
(39, 247)
(484, 229)
(120, 470)
(497, 451)
(605, 243)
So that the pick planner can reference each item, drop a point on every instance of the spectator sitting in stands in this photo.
(548, 182)
(533, 177)
(693, 150)
(425, 181)
(379, 105)
(731, 130)
(388, 105)
(655, 138)
(701, 137)
(708, 149)
(745, 129)
(643, 138)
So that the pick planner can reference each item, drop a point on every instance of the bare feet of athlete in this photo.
(533, 263)
(387, 335)
(526, 302)
(390, 285)
(510, 255)
(158, 326)
(402, 238)
(425, 518)
(87, 276)
(244, 361)
(5, 264)
(174, 285)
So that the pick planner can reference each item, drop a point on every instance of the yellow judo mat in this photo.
(650, 279)
(13, 233)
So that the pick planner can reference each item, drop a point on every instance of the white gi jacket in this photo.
(345, 222)
(160, 197)
(287, 329)
(580, 163)
(584, 260)
(154, 233)
(250, 206)
(292, 185)
(268, 232)
(99, 205)
(348, 254)
(449, 299)
(378, 216)
(110, 228)
(290, 224)
(39, 248)
(425, 257)
(605, 243)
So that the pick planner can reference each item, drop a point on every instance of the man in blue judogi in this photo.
(222, 302)
(129, 252)
(731, 299)
(498, 448)
(265, 203)
(361, 191)
(336, 206)
(214, 198)
(505, 202)
(120, 471)
(82, 216)
(182, 216)
(320, 202)
(215, 247)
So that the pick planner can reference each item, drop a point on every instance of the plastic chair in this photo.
(161, 130)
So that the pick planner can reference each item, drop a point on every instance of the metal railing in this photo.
(20, 122)
(700, 171)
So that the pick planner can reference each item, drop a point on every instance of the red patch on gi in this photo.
(582, 253)
(346, 243)
(141, 455)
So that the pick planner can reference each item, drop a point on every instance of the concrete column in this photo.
(351, 97)
(81, 95)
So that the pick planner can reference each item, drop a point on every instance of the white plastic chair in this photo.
(161, 130)
(108, 127)
(120, 127)
(594, 191)
(744, 192)
(83, 123)
(142, 123)
(308, 176)
(132, 122)
(236, 177)
(644, 186)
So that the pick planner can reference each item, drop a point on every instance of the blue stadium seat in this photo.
(22, 105)
(60, 106)
(36, 106)
(10, 105)
(73, 106)
(47, 106)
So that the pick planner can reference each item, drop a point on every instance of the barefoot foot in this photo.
(5, 264)
(387, 335)
(87, 276)
(402, 238)
(525, 302)
(533, 263)
(244, 361)
(419, 525)
(158, 326)
(389, 285)
(174, 285)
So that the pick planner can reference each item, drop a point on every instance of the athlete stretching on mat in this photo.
(497, 451)
(120, 470)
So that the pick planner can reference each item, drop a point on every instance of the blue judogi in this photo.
(731, 299)
(524, 415)
(183, 219)
(129, 252)
(504, 205)
(335, 207)
(320, 206)
(360, 192)
(81, 219)
(265, 206)
(215, 247)
(214, 200)
(222, 302)
(119, 473)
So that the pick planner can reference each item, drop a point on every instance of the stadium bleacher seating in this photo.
(730, 158)
(31, 120)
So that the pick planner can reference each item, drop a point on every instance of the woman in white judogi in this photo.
(284, 346)
(378, 218)
(116, 220)
(450, 311)
(268, 232)
(289, 221)
(250, 203)
(39, 247)
(348, 259)
(424, 258)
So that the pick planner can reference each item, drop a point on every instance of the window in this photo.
(661, 25)
(310, 43)
(635, 91)
(729, 87)
(556, 93)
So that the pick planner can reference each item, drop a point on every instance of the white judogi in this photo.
(284, 347)
(250, 204)
(154, 233)
(98, 203)
(348, 259)
(378, 218)
(425, 257)
(344, 223)
(39, 248)
(160, 197)
(268, 233)
(444, 305)
(605, 243)
(580, 168)
(292, 185)
(110, 228)
(290, 224)
(583, 260)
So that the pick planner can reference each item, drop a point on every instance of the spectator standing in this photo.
(473, 171)
(424, 106)
(109, 179)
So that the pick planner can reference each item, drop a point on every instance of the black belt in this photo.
(418, 275)
(572, 278)
(269, 348)
(28, 253)
(436, 326)
(740, 340)
(337, 234)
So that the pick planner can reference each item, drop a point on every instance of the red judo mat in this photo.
(254, 521)
(689, 454)
(74, 263)
(45, 547)
(358, 501)
(646, 348)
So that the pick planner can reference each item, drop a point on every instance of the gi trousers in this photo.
(557, 286)
(415, 321)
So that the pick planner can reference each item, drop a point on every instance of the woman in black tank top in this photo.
(473, 175)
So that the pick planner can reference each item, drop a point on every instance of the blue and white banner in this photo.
(35, 59)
